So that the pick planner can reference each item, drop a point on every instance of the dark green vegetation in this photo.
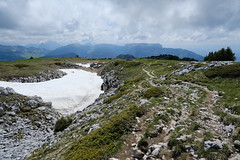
(221, 55)
(31, 67)
(62, 124)
(232, 71)
(125, 56)
(153, 92)
(170, 57)
(104, 142)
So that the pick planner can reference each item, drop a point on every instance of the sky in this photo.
(198, 25)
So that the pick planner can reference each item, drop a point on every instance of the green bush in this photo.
(62, 124)
(178, 150)
(236, 110)
(230, 71)
(143, 145)
(173, 142)
(150, 134)
(153, 92)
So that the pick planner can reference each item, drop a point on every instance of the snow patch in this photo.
(87, 65)
(68, 94)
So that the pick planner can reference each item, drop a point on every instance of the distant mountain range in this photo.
(11, 53)
(138, 50)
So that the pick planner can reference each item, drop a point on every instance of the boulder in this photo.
(10, 91)
(183, 138)
(155, 150)
(16, 109)
(32, 103)
(95, 126)
(109, 81)
(236, 144)
(216, 144)
(137, 154)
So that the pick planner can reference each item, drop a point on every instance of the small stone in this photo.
(41, 108)
(237, 144)
(143, 101)
(155, 150)
(95, 126)
(16, 109)
(1, 111)
(11, 114)
(137, 154)
(49, 117)
(183, 138)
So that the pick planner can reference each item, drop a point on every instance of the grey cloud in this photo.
(7, 21)
(120, 21)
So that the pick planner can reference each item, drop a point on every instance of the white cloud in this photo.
(120, 21)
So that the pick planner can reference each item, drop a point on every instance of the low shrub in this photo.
(236, 110)
(230, 71)
(62, 124)
(153, 92)
(178, 150)
(143, 145)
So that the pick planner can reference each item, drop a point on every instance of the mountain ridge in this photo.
(138, 50)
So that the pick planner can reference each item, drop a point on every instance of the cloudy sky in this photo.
(198, 25)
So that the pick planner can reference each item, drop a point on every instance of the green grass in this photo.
(153, 92)
(105, 141)
(230, 71)
(23, 68)
(212, 154)
(62, 124)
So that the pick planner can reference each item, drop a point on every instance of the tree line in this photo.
(221, 55)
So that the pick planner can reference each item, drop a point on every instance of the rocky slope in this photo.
(26, 123)
(179, 118)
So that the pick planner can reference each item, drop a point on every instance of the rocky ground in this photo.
(26, 123)
(179, 124)
(191, 128)
(42, 76)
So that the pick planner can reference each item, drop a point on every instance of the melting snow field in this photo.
(68, 94)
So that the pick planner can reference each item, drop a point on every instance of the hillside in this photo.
(11, 53)
(138, 50)
(151, 109)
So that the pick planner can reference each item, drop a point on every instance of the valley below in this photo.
(131, 109)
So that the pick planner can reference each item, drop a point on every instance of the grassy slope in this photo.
(33, 66)
(131, 73)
